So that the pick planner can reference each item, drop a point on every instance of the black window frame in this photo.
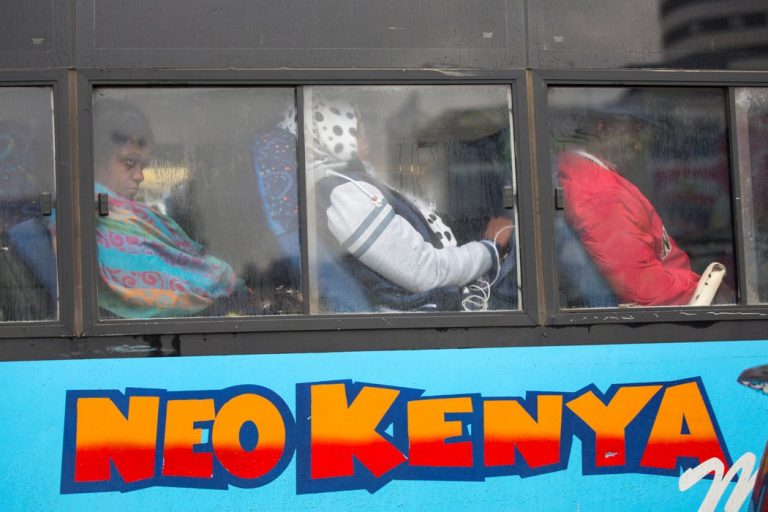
(64, 194)
(88, 80)
(726, 81)
(78, 310)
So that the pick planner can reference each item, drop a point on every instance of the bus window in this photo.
(202, 208)
(752, 128)
(408, 189)
(643, 212)
(28, 279)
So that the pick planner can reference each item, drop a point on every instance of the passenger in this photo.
(148, 266)
(403, 254)
(619, 228)
(28, 289)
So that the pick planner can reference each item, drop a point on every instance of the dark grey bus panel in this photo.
(480, 34)
(35, 34)
(475, 34)
(672, 34)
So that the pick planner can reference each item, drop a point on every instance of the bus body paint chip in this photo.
(352, 435)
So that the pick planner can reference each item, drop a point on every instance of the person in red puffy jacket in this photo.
(617, 225)
(623, 234)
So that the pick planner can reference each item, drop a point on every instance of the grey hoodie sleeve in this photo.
(367, 227)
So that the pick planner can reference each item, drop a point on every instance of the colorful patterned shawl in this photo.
(150, 268)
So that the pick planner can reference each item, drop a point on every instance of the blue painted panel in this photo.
(34, 412)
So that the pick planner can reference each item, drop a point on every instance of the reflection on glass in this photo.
(28, 281)
(645, 197)
(202, 203)
(689, 34)
(408, 186)
(752, 127)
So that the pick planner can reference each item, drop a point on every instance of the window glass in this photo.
(643, 197)
(202, 202)
(752, 127)
(407, 186)
(28, 280)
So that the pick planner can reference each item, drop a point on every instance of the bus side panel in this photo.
(612, 427)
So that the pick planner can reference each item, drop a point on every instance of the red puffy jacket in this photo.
(623, 234)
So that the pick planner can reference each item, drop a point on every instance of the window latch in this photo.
(46, 204)
(559, 199)
(509, 197)
(103, 204)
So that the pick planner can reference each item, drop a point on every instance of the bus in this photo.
(384, 255)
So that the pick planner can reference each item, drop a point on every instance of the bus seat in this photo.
(274, 164)
(22, 296)
(32, 242)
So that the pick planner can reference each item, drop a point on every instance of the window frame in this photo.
(65, 187)
(88, 80)
(726, 81)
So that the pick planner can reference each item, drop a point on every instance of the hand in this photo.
(499, 229)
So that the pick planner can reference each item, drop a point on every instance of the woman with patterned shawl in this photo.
(148, 266)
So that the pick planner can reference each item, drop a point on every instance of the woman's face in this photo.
(124, 171)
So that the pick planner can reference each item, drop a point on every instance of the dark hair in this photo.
(115, 123)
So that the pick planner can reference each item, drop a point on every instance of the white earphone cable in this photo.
(479, 292)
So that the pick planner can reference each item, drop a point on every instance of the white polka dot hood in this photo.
(334, 134)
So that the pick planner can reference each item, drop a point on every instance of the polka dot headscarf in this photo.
(334, 130)
(289, 120)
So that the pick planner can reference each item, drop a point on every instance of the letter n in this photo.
(509, 428)
(106, 436)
